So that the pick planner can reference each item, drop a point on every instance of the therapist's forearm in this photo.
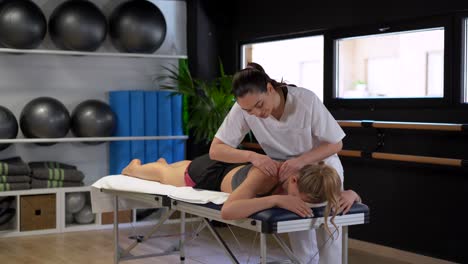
(321, 152)
(226, 153)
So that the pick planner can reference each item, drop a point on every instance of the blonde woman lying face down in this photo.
(251, 189)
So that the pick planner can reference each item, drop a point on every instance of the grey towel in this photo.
(58, 174)
(50, 165)
(14, 179)
(37, 184)
(14, 166)
(4, 187)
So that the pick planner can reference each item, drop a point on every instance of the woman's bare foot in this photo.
(162, 160)
(128, 170)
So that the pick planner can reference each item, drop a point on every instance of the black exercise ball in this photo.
(137, 26)
(78, 25)
(45, 117)
(8, 126)
(22, 24)
(93, 118)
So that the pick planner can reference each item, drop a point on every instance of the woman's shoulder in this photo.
(300, 92)
(301, 96)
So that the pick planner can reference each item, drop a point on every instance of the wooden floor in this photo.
(97, 247)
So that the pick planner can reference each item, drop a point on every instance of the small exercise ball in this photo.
(45, 117)
(93, 118)
(78, 25)
(22, 24)
(137, 26)
(85, 215)
(8, 126)
(69, 218)
(74, 202)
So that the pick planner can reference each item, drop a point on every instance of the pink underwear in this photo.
(188, 181)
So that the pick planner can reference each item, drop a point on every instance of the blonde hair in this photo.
(322, 184)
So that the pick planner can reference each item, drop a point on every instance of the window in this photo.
(465, 61)
(297, 61)
(404, 64)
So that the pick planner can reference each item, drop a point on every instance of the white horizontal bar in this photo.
(148, 198)
(87, 139)
(313, 223)
(45, 191)
(96, 54)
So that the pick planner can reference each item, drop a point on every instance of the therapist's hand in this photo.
(290, 167)
(265, 164)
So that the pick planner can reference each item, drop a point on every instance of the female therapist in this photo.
(291, 124)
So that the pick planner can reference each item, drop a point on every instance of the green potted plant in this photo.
(206, 103)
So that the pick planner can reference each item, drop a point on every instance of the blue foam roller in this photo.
(119, 151)
(178, 145)
(165, 125)
(151, 125)
(137, 124)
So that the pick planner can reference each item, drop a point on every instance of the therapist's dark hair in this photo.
(252, 79)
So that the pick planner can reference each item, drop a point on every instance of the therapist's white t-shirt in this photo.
(305, 123)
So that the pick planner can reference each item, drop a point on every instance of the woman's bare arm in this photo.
(243, 201)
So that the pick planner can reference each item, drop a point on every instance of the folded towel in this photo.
(14, 166)
(15, 178)
(50, 165)
(13, 160)
(130, 184)
(37, 184)
(58, 174)
(14, 186)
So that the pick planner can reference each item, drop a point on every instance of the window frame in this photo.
(384, 28)
(312, 33)
(460, 79)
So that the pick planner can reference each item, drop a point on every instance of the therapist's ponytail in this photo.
(253, 79)
(322, 184)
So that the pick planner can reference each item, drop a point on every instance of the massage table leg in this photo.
(263, 248)
(182, 238)
(344, 248)
(220, 241)
(149, 234)
(116, 230)
(120, 254)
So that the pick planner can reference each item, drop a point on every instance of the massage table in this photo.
(272, 221)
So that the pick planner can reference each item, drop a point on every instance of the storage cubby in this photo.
(149, 214)
(125, 216)
(8, 216)
(78, 209)
(38, 212)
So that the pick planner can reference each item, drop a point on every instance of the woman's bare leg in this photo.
(158, 171)
(174, 164)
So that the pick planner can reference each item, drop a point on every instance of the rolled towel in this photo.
(14, 166)
(37, 184)
(14, 179)
(4, 187)
(58, 174)
(50, 165)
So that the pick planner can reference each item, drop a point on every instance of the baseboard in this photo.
(388, 252)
